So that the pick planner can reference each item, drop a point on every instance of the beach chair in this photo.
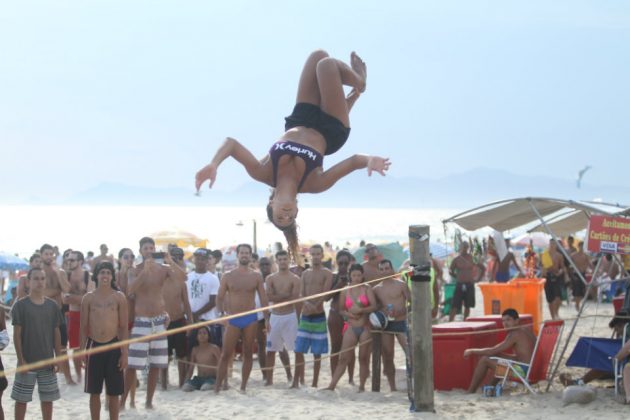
(618, 367)
(538, 366)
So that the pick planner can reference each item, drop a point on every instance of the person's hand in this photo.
(354, 310)
(122, 362)
(377, 164)
(168, 259)
(167, 320)
(468, 353)
(208, 172)
(267, 325)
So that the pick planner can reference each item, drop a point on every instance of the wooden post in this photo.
(376, 361)
(421, 333)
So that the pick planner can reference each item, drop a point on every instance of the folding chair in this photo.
(538, 366)
(618, 367)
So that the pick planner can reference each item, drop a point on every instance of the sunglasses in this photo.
(71, 259)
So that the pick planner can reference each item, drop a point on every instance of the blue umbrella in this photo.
(11, 262)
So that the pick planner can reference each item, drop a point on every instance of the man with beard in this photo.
(80, 284)
(282, 286)
(240, 285)
(335, 320)
(56, 285)
(312, 333)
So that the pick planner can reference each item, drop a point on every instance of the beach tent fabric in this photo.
(565, 225)
(594, 353)
(513, 213)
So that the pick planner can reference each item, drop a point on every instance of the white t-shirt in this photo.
(200, 287)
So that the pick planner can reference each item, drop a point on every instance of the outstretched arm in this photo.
(259, 170)
(326, 179)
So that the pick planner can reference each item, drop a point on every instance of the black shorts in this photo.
(397, 326)
(577, 285)
(103, 367)
(311, 116)
(177, 342)
(553, 287)
(63, 331)
(3, 381)
(464, 293)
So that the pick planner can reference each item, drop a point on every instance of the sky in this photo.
(143, 92)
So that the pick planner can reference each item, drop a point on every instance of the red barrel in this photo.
(450, 369)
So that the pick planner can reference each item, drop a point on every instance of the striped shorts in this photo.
(24, 384)
(153, 353)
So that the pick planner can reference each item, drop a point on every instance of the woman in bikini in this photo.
(356, 305)
(318, 126)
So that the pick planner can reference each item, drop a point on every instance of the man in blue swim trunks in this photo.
(240, 286)
(521, 341)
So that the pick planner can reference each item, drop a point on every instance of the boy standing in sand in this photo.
(312, 331)
(240, 285)
(36, 320)
(282, 286)
(104, 321)
(392, 296)
(205, 356)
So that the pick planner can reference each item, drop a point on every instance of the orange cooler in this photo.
(450, 369)
(524, 295)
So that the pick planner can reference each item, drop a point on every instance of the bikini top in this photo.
(361, 300)
(311, 157)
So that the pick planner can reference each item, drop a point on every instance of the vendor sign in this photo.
(609, 234)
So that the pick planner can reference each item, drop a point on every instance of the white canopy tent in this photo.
(554, 216)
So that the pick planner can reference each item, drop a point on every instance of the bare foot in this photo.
(329, 388)
(132, 404)
(360, 68)
(295, 386)
(148, 405)
(361, 389)
(566, 380)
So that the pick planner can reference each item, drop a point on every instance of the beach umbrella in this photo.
(178, 237)
(10, 262)
(392, 251)
(539, 239)
(440, 251)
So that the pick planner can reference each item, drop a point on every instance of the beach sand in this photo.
(279, 402)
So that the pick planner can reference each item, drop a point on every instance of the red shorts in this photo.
(74, 328)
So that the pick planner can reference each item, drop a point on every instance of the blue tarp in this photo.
(594, 353)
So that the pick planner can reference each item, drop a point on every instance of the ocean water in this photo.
(25, 228)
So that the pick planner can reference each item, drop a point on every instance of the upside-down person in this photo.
(519, 340)
(318, 126)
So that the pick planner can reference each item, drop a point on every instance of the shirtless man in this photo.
(205, 356)
(370, 267)
(104, 321)
(281, 287)
(104, 256)
(312, 332)
(56, 285)
(521, 341)
(466, 273)
(392, 297)
(240, 285)
(175, 294)
(583, 263)
(554, 275)
(80, 284)
(502, 274)
(264, 266)
(335, 320)
(146, 282)
(22, 290)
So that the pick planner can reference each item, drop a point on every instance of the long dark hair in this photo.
(290, 234)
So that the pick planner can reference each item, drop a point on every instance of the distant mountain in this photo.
(470, 188)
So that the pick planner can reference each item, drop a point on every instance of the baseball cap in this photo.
(202, 252)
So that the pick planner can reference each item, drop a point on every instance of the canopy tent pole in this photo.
(588, 289)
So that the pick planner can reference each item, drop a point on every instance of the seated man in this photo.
(520, 340)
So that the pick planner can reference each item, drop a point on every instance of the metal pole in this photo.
(255, 244)
(421, 333)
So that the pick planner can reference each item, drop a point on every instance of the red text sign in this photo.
(609, 234)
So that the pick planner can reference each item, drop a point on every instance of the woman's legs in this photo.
(349, 342)
(322, 80)
(364, 359)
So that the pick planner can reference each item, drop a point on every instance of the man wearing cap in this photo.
(203, 287)
(175, 295)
